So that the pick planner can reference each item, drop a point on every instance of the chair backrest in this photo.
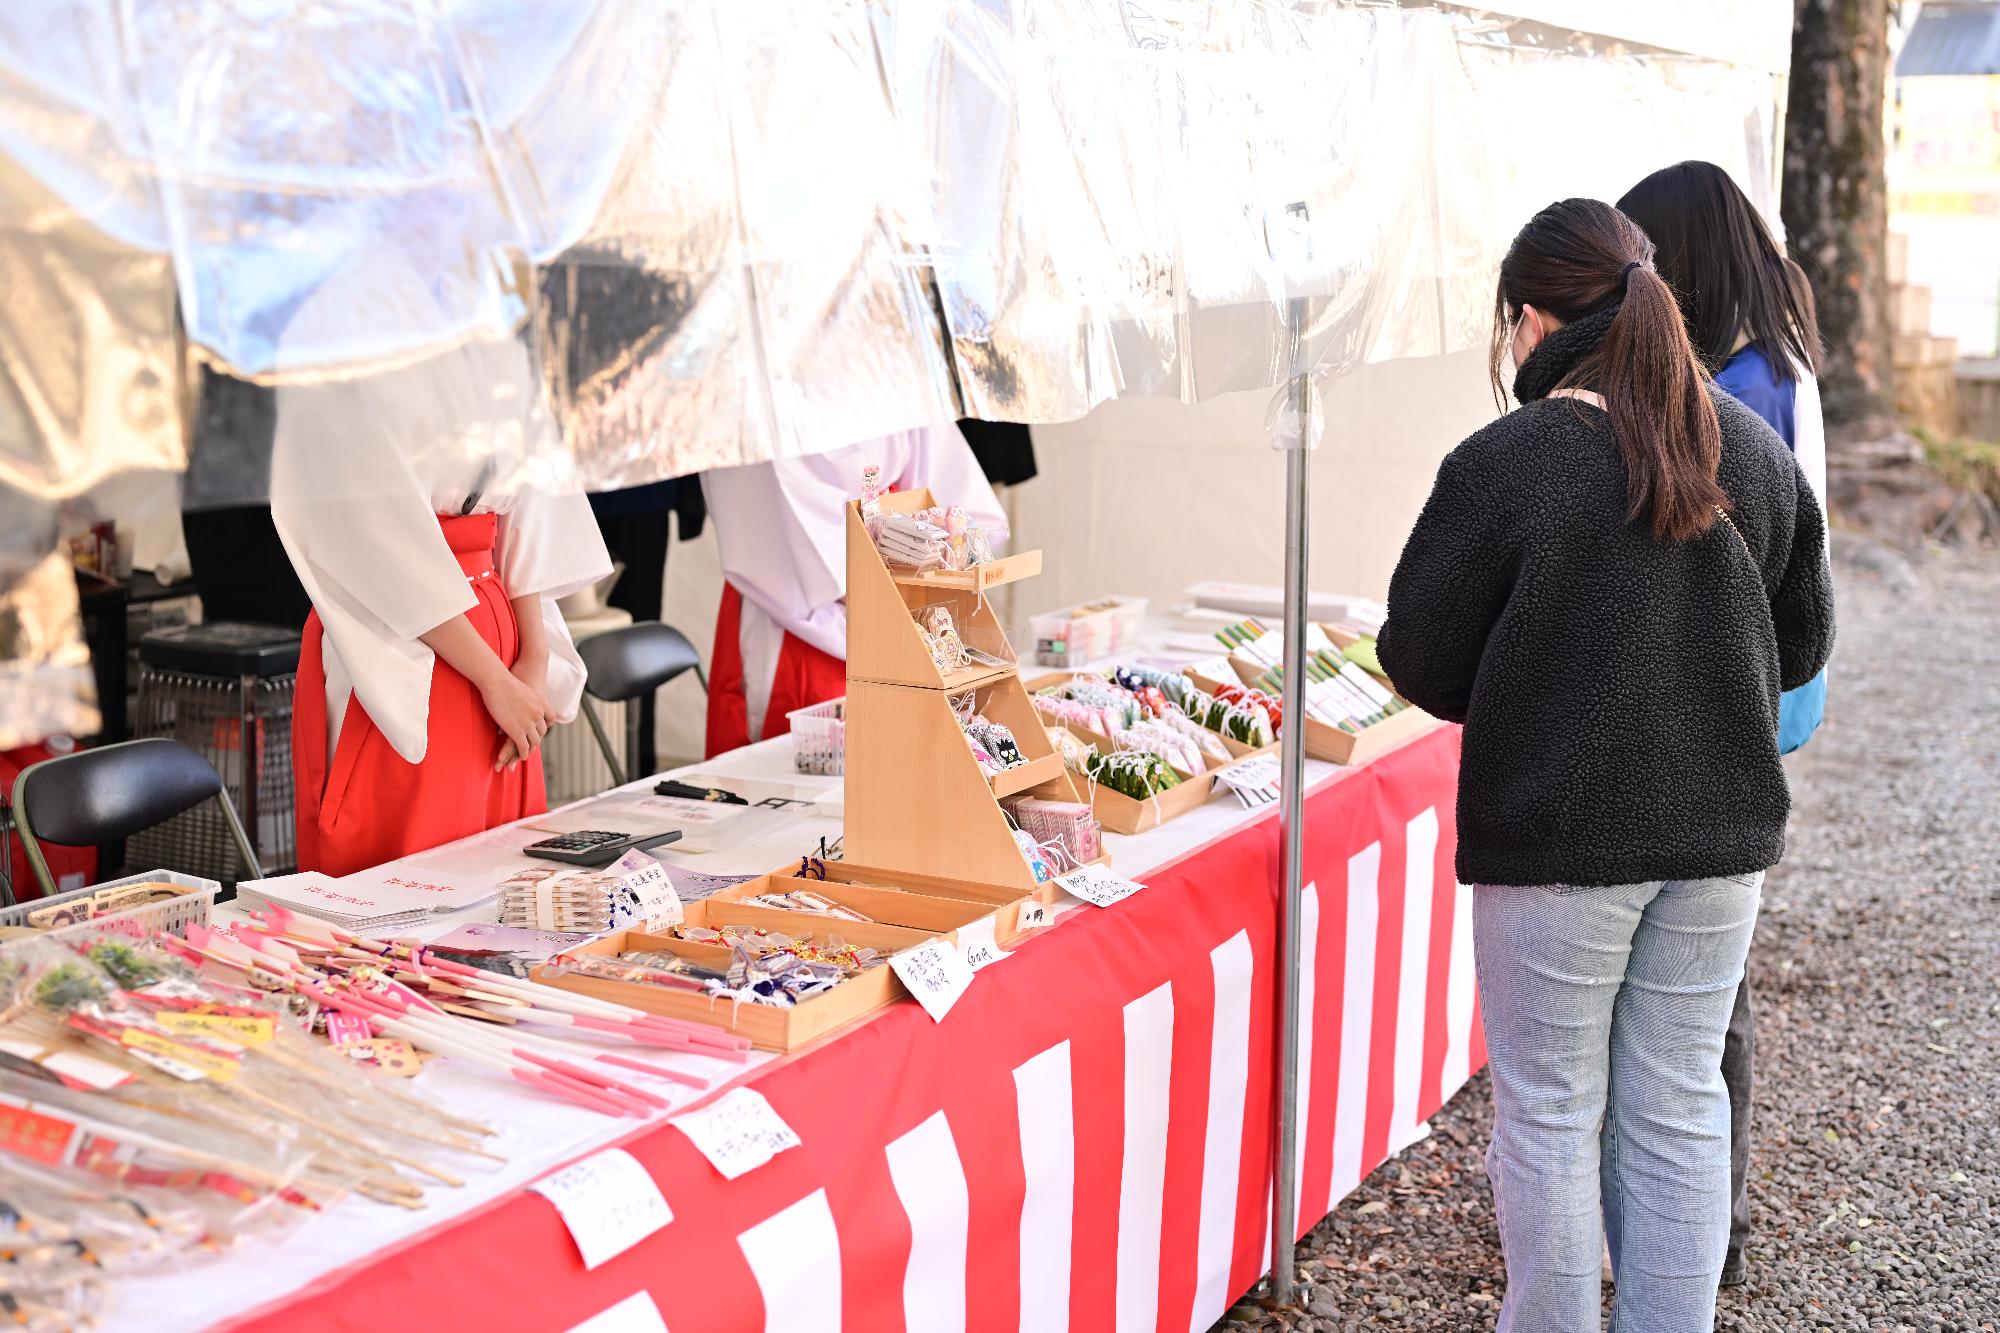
(632, 662)
(112, 792)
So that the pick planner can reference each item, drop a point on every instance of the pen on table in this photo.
(689, 792)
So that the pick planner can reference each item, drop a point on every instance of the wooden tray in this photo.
(1329, 743)
(767, 1027)
(934, 905)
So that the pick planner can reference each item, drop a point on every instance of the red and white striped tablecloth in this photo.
(1082, 1143)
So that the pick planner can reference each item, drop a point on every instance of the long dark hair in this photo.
(1728, 271)
(1582, 256)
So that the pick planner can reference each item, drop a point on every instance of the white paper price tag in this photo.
(1098, 886)
(1214, 668)
(936, 973)
(645, 898)
(977, 945)
(1255, 781)
(737, 1132)
(1033, 916)
(608, 1202)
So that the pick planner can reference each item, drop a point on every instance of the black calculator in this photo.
(595, 847)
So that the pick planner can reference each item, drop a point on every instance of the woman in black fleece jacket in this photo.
(1609, 587)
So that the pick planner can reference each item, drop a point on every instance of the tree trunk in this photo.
(1835, 203)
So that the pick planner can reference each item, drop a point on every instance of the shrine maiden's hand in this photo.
(520, 711)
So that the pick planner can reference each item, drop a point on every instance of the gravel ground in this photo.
(1876, 1167)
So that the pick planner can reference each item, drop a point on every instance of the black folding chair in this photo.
(108, 794)
(626, 666)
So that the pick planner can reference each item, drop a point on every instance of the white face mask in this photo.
(1526, 335)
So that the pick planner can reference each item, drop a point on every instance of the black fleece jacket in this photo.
(1619, 693)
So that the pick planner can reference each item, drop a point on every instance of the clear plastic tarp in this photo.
(724, 232)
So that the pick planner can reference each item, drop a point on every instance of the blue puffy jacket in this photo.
(1748, 377)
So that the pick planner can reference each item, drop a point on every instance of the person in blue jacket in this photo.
(1749, 313)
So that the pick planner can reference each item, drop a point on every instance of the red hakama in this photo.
(371, 805)
(802, 676)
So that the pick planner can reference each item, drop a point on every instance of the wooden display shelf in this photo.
(974, 676)
(884, 642)
(1013, 781)
(916, 799)
(992, 574)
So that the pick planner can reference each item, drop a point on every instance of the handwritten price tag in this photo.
(1255, 781)
(646, 897)
(977, 945)
(936, 973)
(737, 1132)
(1098, 886)
(1215, 668)
(608, 1202)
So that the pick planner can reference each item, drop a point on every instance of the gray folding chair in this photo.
(626, 666)
(108, 794)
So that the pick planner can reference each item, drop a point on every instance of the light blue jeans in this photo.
(1605, 1010)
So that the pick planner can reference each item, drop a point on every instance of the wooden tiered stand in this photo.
(915, 799)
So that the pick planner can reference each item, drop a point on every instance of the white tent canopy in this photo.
(732, 232)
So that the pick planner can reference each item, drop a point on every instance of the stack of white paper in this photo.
(373, 902)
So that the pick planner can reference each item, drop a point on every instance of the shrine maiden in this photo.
(435, 659)
(781, 634)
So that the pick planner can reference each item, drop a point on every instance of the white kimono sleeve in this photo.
(359, 528)
(782, 526)
(550, 547)
(940, 458)
(781, 531)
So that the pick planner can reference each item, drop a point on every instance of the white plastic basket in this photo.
(819, 736)
(172, 915)
(1086, 633)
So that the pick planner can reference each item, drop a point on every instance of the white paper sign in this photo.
(737, 1132)
(1033, 916)
(1255, 781)
(977, 945)
(1098, 886)
(646, 898)
(608, 1202)
(637, 1313)
(1213, 668)
(936, 973)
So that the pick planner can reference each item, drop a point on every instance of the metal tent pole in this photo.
(1291, 829)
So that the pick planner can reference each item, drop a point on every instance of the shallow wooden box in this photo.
(922, 904)
(1123, 814)
(1348, 747)
(1329, 743)
(768, 1028)
(1237, 749)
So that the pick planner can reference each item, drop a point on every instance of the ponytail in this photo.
(1581, 258)
(1661, 415)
